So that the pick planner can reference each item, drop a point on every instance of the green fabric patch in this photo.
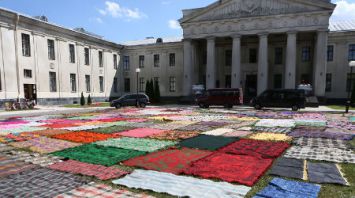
(112, 129)
(96, 154)
(207, 142)
(139, 144)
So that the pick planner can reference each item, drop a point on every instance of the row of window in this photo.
(142, 83)
(26, 51)
(156, 59)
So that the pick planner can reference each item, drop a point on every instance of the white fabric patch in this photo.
(217, 132)
(275, 123)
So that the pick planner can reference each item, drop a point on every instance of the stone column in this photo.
(211, 64)
(263, 63)
(320, 63)
(188, 68)
(236, 62)
(290, 70)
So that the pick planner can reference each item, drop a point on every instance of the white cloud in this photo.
(99, 20)
(344, 11)
(117, 11)
(174, 24)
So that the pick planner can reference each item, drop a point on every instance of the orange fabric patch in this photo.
(84, 137)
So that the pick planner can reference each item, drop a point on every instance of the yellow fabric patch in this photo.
(270, 136)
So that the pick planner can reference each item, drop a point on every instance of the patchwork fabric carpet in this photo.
(10, 165)
(288, 167)
(39, 182)
(141, 132)
(321, 142)
(324, 173)
(273, 129)
(83, 136)
(100, 190)
(256, 148)
(270, 136)
(280, 188)
(172, 160)
(231, 168)
(237, 134)
(321, 154)
(196, 127)
(219, 131)
(321, 134)
(44, 145)
(98, 171)
(4, 147)
(47, 132)
(181, 186)
(175, 135)
(275, 123)
(34, 158)
(139, 144)
(112, 129)
(96, 154)
(207, 142)
(313, 123)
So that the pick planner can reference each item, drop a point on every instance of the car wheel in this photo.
(201, 105)
(206, 106)
(257, 107)
(142, 105)
(118, 105)
(295, 108)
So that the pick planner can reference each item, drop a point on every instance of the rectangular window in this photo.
(228, 58)
(141, 84)
(278, 55)
(73, 82)
(351, 52)
(330, 53)
(350, 81)
(115, 85)
(172, 59)
(328, 82)
(306, 54)
(253, 55)
(127, 85)
(156, 60)
(52, 82)
(51, 50)
(228, 81)
(101, 59)
(101, 81)
(27, 73)
(172, 84)
(141, 61)
(115, 66)
(277, 81)
(26, 46)
(87, 83)
(87, 56)
(204, 57)
(71, 53)
(126, 63)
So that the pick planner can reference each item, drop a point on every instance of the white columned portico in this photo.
(188, 69)
(263, 63)
(211, 64)
(236, 62)
(290, 70)
(320, 63)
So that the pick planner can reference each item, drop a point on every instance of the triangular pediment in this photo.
(227, 9)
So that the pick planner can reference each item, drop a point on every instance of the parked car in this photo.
(131, 100)
(287, 98)
(224, 97)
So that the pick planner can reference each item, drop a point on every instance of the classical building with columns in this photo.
(250, 44)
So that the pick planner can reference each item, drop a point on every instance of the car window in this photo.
(265, 94)
(276, 96)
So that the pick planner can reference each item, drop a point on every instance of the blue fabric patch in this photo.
(292, 189)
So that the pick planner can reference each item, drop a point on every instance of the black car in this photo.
(131, 100)
(286, 98)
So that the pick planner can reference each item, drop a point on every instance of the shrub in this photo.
(89, 100)
(82, 99)
(156, 92)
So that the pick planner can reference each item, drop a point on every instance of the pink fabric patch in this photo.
(141, 132)
(98, 171)
(237, 134)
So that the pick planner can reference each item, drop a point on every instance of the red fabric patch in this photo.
(256, 148)
(141, 132)
(58, 125)
(231, 168)
(76, 167)
(171, 161)
(84, 137)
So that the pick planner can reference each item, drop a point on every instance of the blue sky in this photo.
(126, 20)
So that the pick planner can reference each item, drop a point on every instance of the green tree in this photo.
(82, 99)
(150, 91)
(89, 100)
(156, 92)
(353, 94)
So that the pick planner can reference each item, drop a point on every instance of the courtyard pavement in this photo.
(167, 151)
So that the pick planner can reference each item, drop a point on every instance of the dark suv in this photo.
(131, 100)
(224, 97)
(289, 98)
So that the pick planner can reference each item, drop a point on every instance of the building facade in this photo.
(254, 44)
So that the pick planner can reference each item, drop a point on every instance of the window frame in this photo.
(306, 54)
(141, 84)
(330, 53)
(156, 60)
(228, 58)
(115, 84)
(127, 81)
(52, 81)
(351, 52)
(87, 56)
(26, 44)
(253, 57)
(101, 58)
(278, 56)
(71, 53)
(328, 82)
(172, 59)
(51, 49)
(88, 83)
(126, 63)
(102, 84)
(73, 86)
(115, 61)
(25, 72)
(141, 60)
(172, 84)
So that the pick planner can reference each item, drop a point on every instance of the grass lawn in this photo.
(99, 104)
(339, 107)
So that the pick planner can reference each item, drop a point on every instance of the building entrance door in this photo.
(251, 85)
(30, 91)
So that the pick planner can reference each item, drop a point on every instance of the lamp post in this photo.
(348, 102)
(137, 99)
